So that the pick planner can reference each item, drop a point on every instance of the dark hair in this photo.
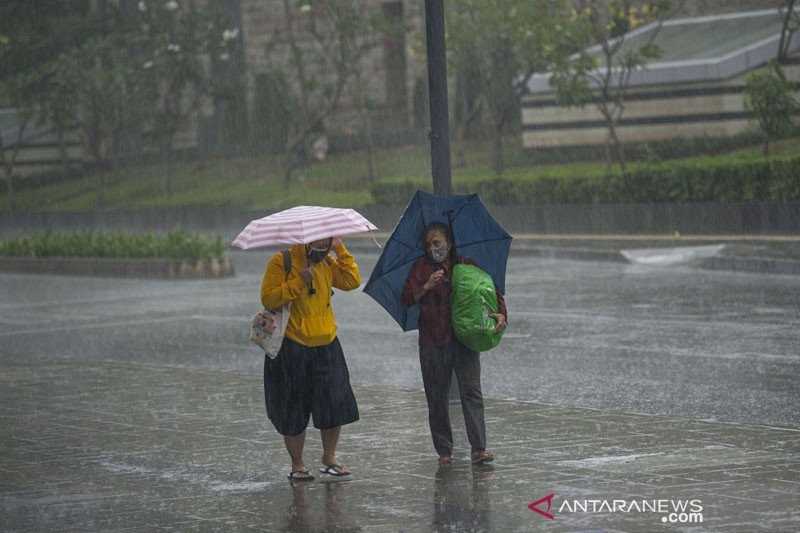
(445, 229)
(437, 226)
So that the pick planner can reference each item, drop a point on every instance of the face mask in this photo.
(439, 254)
(316, 255)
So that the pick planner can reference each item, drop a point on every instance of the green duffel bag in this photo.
(473, 300)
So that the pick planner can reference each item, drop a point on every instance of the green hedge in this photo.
(716, 181)
(675, 148)
(176, 245)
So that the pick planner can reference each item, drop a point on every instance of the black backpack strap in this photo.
(287, 263)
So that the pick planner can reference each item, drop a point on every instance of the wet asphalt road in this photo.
(678, 341)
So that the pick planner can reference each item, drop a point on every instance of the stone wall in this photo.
(652, 112)
(708, 7)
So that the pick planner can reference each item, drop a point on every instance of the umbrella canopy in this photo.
(477, 235)
(302, 225)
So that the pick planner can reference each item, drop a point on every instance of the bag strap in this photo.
(287, 263)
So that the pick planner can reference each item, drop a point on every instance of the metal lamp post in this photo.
(440, 117)
(437, 94)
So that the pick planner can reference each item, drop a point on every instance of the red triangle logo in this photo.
(534, 506)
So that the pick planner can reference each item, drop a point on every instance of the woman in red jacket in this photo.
(440, 353)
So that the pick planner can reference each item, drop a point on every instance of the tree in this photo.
(127, 74)
(497, 45)
(228, 85)
(770, 97)
(31, 34)
(323, 45)
(13, 91)
(8, 162)
(601, 75)
(791, 23)
(170, 42)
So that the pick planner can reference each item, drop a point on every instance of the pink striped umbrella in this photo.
(302, 225)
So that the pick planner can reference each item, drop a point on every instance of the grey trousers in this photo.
(438, 364)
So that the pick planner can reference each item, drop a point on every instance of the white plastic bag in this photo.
(268, 328)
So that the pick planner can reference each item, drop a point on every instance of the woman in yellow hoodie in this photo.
(309, 376)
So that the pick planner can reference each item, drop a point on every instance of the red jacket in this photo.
(435, 327)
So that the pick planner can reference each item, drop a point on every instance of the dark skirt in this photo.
(303, 381)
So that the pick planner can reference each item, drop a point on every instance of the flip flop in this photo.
(482, 457)
(334, 470)
(300, 475)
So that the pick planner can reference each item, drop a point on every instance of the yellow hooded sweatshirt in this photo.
(311, 322)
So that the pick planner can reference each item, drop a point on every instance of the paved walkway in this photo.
(128, 447)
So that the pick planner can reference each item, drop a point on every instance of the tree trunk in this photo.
(617, 148)
(370, 149)
(287, 174)
(783, 45)
(462, 130)
(299, 65)
(461, 153)
(166, 180)
(607, 154)
(619, 155)
(8, 164)
(497, 150)
(294, 153)
(8, 168)
(62, 151)
(100, 195)
(461, 121)
(367, 118)
(288, 169)
(94, 142)
(10, 182)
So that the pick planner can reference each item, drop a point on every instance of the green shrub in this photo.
(704, 181)
(176, 245)
(676, 148)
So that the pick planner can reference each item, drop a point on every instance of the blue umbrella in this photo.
(477, 235)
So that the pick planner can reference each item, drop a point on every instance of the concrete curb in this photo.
(114, 267)
(759, 265)
(558, 252)
(549, 247)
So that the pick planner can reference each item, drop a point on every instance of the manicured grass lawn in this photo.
(341, 180)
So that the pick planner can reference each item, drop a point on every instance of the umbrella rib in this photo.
(509, 238)
(302, 224)
(401, 265)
